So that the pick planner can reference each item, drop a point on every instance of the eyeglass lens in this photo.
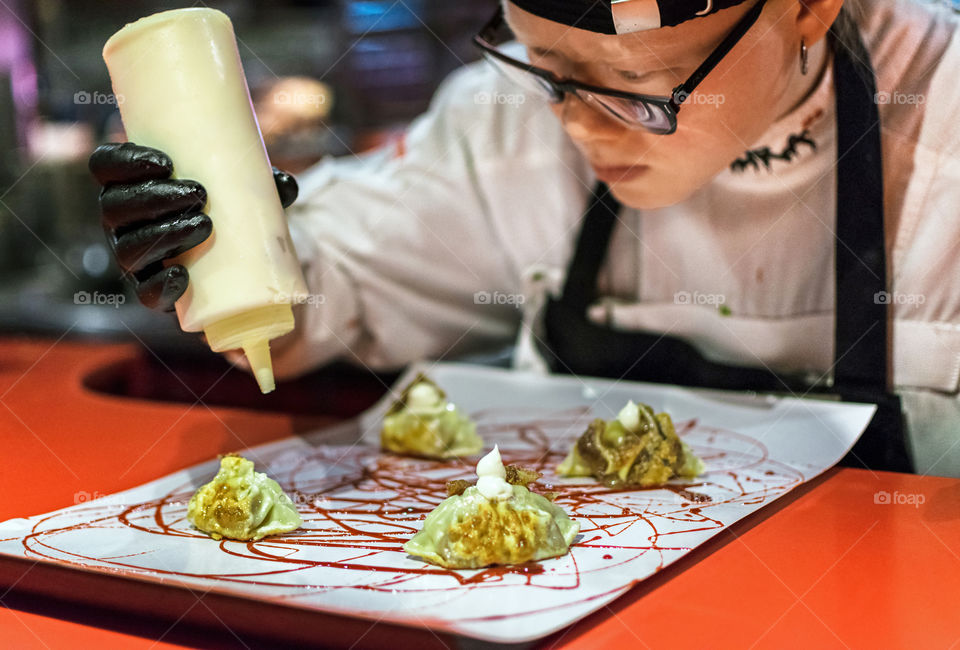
(632, 112)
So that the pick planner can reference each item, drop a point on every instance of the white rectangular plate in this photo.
(360, 506)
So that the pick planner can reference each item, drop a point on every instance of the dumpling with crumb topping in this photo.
(493, 522)
(637, 448)
(240, 503)
(422, 422)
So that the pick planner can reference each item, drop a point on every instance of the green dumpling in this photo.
(423, 423)
(638, 448)
(240, 503)
(493, 522)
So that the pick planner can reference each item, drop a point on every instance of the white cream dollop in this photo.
(491, 475)
(423, 397)
(629, 416)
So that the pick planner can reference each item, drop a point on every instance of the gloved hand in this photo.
(150, 217)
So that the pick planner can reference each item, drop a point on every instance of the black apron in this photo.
(575, 344)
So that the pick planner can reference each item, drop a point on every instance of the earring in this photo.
(804, 57)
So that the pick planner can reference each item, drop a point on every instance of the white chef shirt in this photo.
(450, 241)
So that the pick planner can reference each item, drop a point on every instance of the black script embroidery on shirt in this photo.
(758, 157)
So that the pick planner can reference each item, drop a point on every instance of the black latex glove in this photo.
(150, 217)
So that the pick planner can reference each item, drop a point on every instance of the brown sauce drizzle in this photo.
(377, 503)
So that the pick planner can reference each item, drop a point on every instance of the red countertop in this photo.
(826, 566)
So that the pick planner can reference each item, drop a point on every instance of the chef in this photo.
(755, 195)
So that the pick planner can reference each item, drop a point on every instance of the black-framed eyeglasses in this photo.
(655, 113)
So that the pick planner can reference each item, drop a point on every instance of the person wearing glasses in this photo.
(753, 195)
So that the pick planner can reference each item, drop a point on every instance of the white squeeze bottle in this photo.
(180, 89)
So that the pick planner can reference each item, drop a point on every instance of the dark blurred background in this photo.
(369, 67)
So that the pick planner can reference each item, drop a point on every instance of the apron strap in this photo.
(580, 286)
(861, 278)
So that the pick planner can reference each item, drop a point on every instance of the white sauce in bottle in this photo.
(180, 89)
